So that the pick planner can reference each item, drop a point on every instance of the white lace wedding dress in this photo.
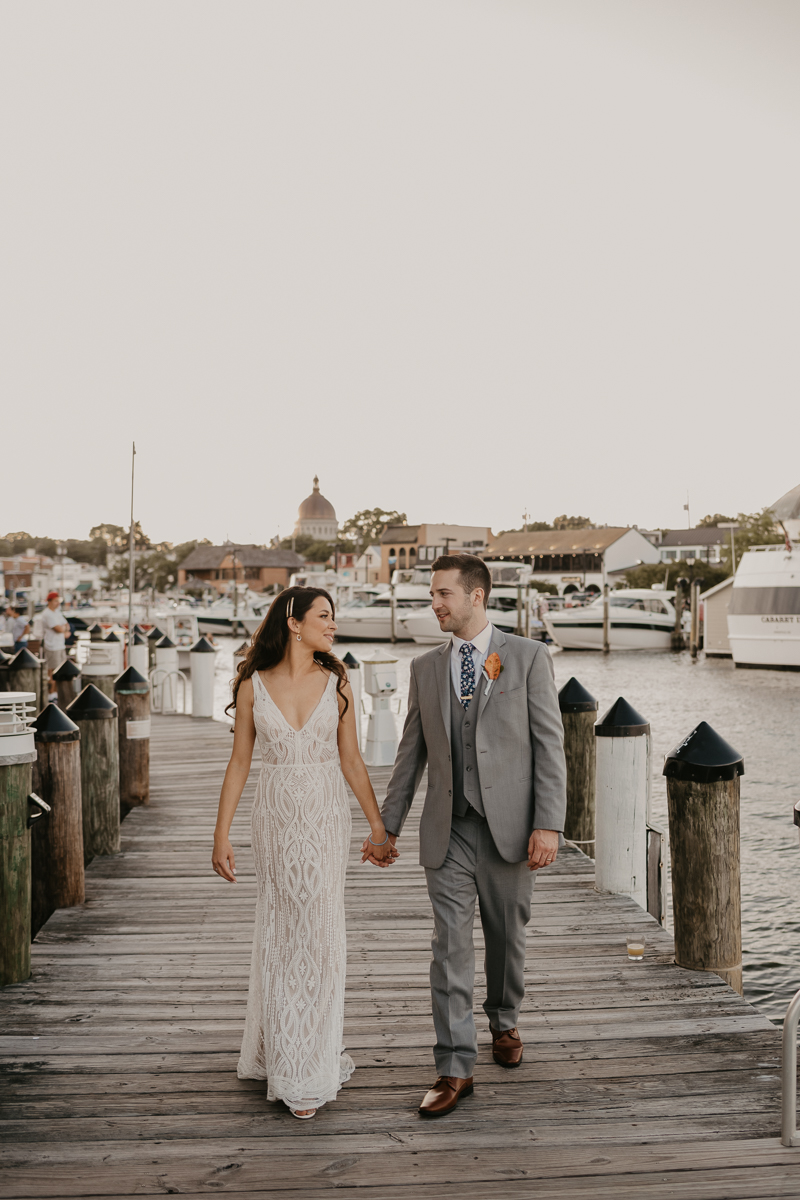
(301, 837)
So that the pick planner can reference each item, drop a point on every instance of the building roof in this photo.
(399, 533)
(554, 541)
(209, 558)
(316, 506)
(709, 535)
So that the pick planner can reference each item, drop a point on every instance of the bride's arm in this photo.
(358, 778)
(244, 738)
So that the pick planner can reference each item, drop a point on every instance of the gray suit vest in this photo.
(466, 786)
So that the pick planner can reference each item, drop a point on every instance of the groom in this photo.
(495, 801)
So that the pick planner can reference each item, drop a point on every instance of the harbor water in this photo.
(757, 712)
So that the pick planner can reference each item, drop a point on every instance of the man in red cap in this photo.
(55, 627)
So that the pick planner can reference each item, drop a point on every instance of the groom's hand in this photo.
(368, 856)
(542, 848)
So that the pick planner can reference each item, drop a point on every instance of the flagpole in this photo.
(130, 562)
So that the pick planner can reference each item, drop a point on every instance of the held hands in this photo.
(380, 856)
(542, 848)
(222, 859)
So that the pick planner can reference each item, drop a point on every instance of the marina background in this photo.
(758, 712)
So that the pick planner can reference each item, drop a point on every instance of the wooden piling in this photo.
(678, 642)
(56, 843)
(96, 717)
(15, 873)
(132, 693)
(68, 683)
(578, 714)
(703, 800)
(24, 674)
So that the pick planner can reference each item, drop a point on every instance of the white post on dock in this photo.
(203, 661)
(380, 682)
(606, 622)
(622, 803)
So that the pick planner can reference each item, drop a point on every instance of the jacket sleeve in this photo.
(547, 737)
(412, 755)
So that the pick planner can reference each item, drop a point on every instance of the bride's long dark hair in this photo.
(272, 637)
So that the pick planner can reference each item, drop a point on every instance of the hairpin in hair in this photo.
(289, 607)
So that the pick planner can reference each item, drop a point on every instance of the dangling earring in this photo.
(299, 638)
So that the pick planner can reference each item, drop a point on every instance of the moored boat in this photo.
(639, 619)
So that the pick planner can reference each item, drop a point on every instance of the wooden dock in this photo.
(119, 1054)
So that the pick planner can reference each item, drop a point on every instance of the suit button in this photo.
(468, 747)
(449, 793)
(469, 768)
(466, 724)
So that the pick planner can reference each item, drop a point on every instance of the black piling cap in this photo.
(4, 658)
(138, 640)
(111, 637)
(350, 662)
(23, 660)
(95, 631)
(574, 697)
(53, 725)
(76, 623)
(92, 705)
(154, 634)
(797, 813)
(138, 629)
(703, 757)
(164, 643)
(68, 670)
(202, 646)
(131, 683)
(622, 720)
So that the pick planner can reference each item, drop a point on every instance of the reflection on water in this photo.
(758, 712)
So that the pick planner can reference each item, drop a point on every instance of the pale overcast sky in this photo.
(459, 258)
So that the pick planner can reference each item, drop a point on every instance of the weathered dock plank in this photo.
(119, 1054)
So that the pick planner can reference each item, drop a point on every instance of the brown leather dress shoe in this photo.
(507, 1047)
(444, 1095)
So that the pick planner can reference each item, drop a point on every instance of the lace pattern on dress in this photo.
(301, 838)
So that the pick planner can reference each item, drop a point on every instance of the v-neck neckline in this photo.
(285, 719)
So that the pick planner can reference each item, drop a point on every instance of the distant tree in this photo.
(565, 522)
(755, 529)
(112, 535)
(649, 573)
(184, 549)
(300, 543)
(531, 527)
(366, 527)
(318, 552)
(712, 522)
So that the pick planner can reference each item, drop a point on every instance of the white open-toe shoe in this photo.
(304, 1114)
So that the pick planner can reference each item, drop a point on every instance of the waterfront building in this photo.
(704, 545)
(404, 546)
(573, 559)
(316, 517)
(27, 576)
(217, 566)
(716, 602)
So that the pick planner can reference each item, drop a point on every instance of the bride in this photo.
(291, 695)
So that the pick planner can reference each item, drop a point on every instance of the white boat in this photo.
(370, 619)
(423, 627)
(639, 619)
(220, 617)
(764, 611)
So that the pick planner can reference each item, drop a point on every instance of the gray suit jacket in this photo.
(519, 741)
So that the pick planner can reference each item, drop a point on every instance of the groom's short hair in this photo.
(472, 570)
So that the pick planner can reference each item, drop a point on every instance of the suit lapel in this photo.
(497, 645)
(445, 685)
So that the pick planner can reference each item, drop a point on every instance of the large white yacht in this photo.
(639, 619)
(764, 612)
(368, 617)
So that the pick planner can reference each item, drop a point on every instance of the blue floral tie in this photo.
(467, 674)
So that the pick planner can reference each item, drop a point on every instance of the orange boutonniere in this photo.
(491, 669)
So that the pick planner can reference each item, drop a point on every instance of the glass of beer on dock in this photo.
(635, 943)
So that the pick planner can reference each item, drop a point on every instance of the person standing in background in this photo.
(17, 620)
(55, 628)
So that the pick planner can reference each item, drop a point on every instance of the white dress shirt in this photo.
(480, 644)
